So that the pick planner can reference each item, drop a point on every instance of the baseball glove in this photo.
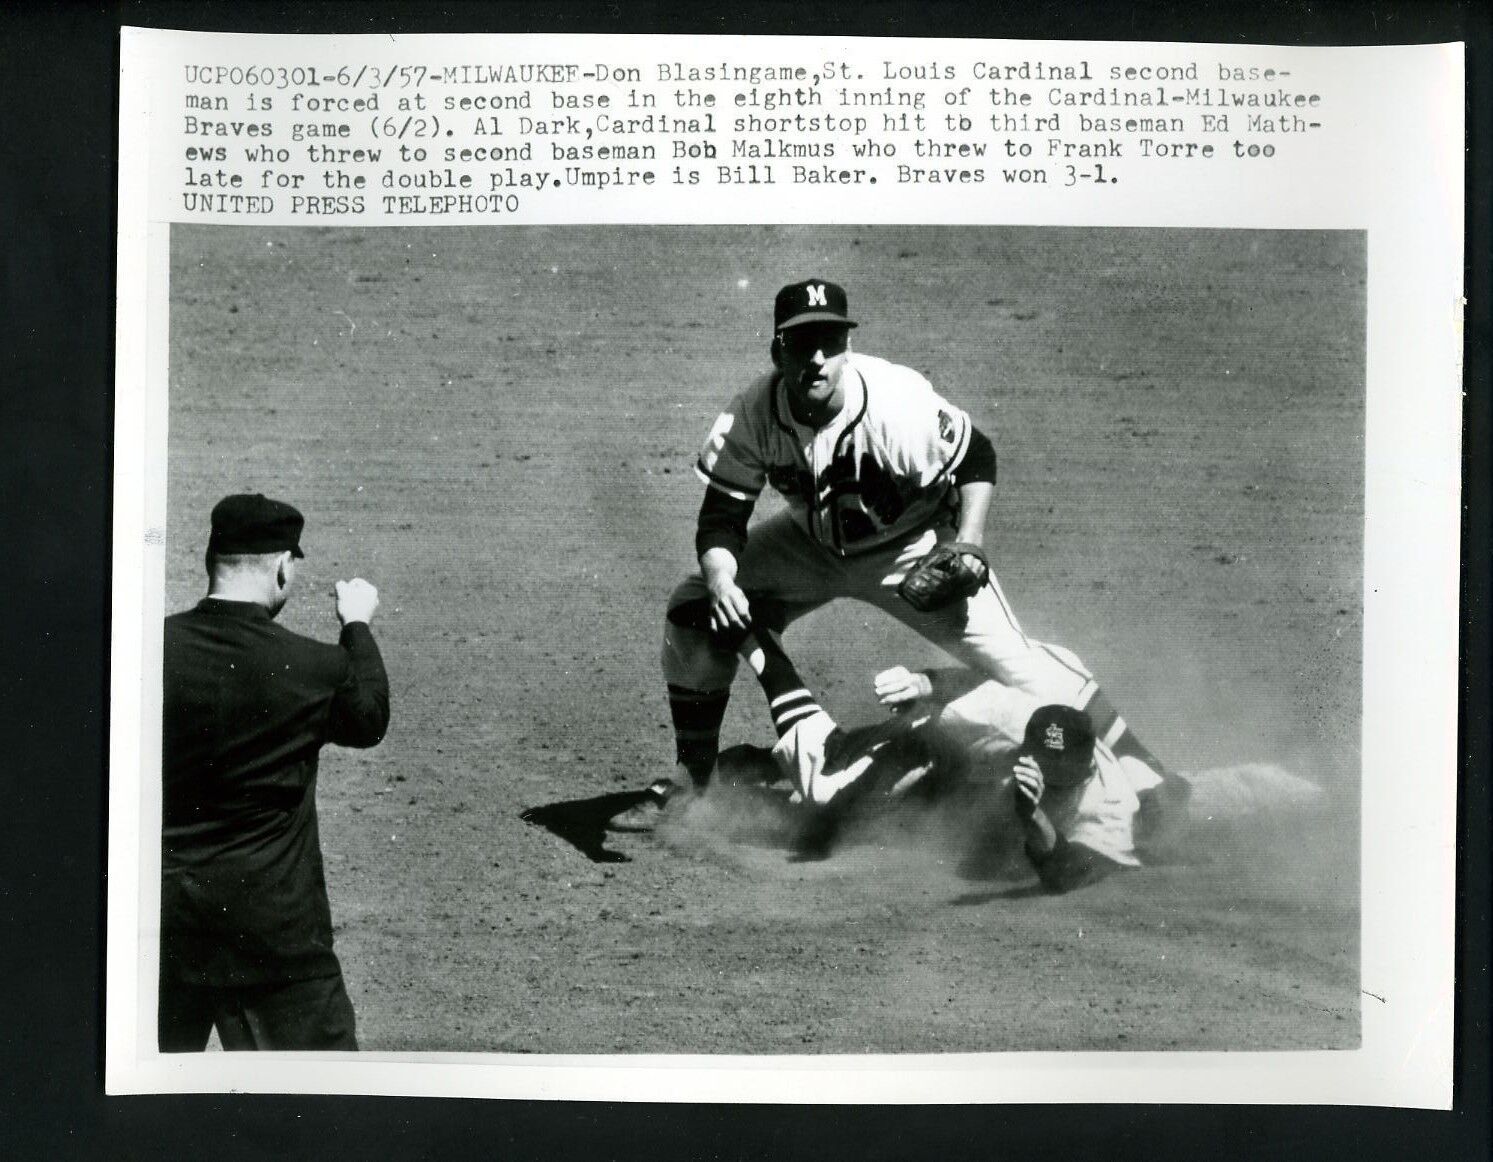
(949, 573)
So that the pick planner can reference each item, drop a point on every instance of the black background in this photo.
(58, 118)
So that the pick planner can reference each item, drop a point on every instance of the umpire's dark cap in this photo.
(1061, 734)
(812, 301)
(253, 523)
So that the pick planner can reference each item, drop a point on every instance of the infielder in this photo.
(882, 475)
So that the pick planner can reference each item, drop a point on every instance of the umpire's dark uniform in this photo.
(246, 930)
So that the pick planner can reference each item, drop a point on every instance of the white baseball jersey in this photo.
(881, 469)
(1100, 812)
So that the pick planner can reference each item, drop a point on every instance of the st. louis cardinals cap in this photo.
(252, 523)
(1060, 733)
(812, 301)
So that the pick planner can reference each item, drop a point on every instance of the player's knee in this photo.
(688, 660)
(693, 619)
(690, 613)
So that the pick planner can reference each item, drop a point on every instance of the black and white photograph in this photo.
(586, 828)
(751, 582)
(781, 580)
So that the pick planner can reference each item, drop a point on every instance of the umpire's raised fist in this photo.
(356, 600)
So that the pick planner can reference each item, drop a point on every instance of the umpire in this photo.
(246, 930)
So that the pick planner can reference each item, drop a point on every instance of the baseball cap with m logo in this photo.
(812, 301)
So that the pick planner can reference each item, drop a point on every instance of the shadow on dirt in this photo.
(582, 823)
(1019, 892)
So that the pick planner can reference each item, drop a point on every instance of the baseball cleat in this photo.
(662, 795)
(745, 765)
(644, 814)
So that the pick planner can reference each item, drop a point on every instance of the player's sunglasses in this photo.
(805, 341)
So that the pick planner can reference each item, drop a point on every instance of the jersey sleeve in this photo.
(1072, 865)
(934, 434)
(734, 459)
(948, 434)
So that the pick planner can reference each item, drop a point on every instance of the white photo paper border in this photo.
(1393, 167)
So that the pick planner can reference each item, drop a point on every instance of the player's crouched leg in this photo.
(698, 669)
(698, 673)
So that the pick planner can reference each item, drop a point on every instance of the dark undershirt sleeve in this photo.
(722, 523)
(1071, 865)
(978, 464)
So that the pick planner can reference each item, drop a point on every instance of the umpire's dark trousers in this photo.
(300, 1014)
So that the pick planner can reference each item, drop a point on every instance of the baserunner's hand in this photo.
(898, 687)
(1028, 784)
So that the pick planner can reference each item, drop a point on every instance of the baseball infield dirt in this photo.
(497, 428)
